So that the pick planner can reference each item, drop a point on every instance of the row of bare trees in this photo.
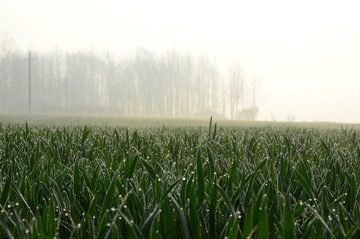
(139, 83)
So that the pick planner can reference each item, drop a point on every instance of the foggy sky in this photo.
(306, 53)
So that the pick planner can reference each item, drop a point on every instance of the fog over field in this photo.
(250, 60)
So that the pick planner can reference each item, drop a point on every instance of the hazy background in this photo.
(305, 54)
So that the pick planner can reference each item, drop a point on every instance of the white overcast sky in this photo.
(306, 52)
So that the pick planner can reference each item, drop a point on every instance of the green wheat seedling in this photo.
(215, 182)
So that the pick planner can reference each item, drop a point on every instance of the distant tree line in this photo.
(139, 83)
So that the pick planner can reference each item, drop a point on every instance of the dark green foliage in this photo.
(215, 182)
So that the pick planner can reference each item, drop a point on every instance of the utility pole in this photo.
(29, 82)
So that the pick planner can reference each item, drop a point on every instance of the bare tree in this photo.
(60, 79)
(236, 88)
(7, 49)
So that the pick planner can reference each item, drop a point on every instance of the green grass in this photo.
(165, 181)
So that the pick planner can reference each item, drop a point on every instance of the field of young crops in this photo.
(179, 182)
